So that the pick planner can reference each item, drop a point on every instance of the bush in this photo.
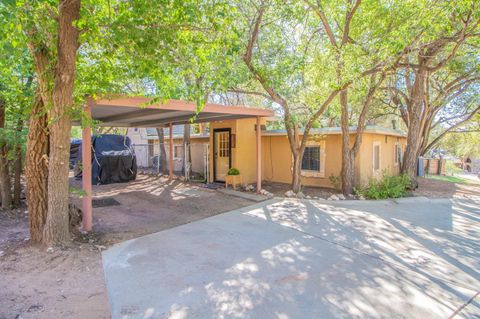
(233, 171)
(335, 181)
(389, 186)
(451, 168)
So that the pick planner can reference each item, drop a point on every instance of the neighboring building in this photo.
(233, 144)
(470, 164)
(147, 148)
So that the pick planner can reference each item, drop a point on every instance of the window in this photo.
(311, 158)
(178, 151)
(376, 156)
(397, 153)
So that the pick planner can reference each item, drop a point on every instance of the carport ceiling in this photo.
(138, 112)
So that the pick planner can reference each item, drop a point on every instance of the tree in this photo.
(53, 45)
(5, 182)
(452, 28)
(280, 66)
(163, 153)
(57, 224)
(187, 158)
(463, 141)
(308, 53)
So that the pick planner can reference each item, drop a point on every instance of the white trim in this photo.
(321, 172)
(379, 144)
(174, 150)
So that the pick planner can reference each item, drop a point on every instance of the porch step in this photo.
(249, 196)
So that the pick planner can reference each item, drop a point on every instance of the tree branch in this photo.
(325, 23)
(441, 135)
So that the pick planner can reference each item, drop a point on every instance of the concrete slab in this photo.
(436, 235)
(304, 259)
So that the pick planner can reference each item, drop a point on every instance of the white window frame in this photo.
(379, 144)
(174, 151)
(321, 172)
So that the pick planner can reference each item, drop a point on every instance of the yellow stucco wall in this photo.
(277, 158)
(244, 151)
(387, 158)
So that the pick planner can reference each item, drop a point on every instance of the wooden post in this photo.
(87, 173)
(171, 150)
(259, 155)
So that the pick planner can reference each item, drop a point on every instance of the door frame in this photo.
(229, 130)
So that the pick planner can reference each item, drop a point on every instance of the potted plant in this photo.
(233, 178)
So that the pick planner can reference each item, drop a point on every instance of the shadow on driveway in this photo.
(413, 258)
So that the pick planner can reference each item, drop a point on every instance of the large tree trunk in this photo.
(5, 184)
(297, 172)
(17, 184)
(36, 169)
(187, 158)
(347, 172)
(409, 166)
(57, 225)
(163, 153)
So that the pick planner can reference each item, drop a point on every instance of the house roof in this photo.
(122, 111)
(337, 130)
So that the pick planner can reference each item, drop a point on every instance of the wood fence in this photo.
(434, 166)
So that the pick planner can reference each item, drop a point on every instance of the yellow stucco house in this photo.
(232, 143)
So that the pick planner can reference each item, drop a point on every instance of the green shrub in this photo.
(335, 181)
(452, 169)
(233, 171)
(389, 186)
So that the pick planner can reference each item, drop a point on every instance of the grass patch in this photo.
(453, 179)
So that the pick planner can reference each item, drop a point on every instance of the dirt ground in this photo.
(279, 189)
(440, 189)
(68, 282)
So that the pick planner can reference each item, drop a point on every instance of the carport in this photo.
(142, 112)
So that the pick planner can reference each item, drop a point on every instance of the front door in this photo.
(222, 152)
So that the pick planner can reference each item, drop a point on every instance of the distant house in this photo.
(147, 148)
(471, 164)
(232, 143)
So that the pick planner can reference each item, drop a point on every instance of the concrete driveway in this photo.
(411, 258)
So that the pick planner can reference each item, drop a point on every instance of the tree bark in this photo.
(347, 172)
(409, 166)
(36, 159)
(187, 159)
(17, 184)
(36, 169)
(297, 173)
(163, 153)
(5, 183)
(57, 224)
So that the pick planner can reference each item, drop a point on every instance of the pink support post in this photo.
(259, 155)
(171, 150)
(87, 173)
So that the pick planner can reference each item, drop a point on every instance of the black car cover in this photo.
(113, 160)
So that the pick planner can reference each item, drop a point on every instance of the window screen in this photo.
(398, 153)
(376, 157)
(311, 159)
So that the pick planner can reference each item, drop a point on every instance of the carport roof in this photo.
(138, 112)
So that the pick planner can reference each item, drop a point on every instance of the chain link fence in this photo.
(149, 159)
